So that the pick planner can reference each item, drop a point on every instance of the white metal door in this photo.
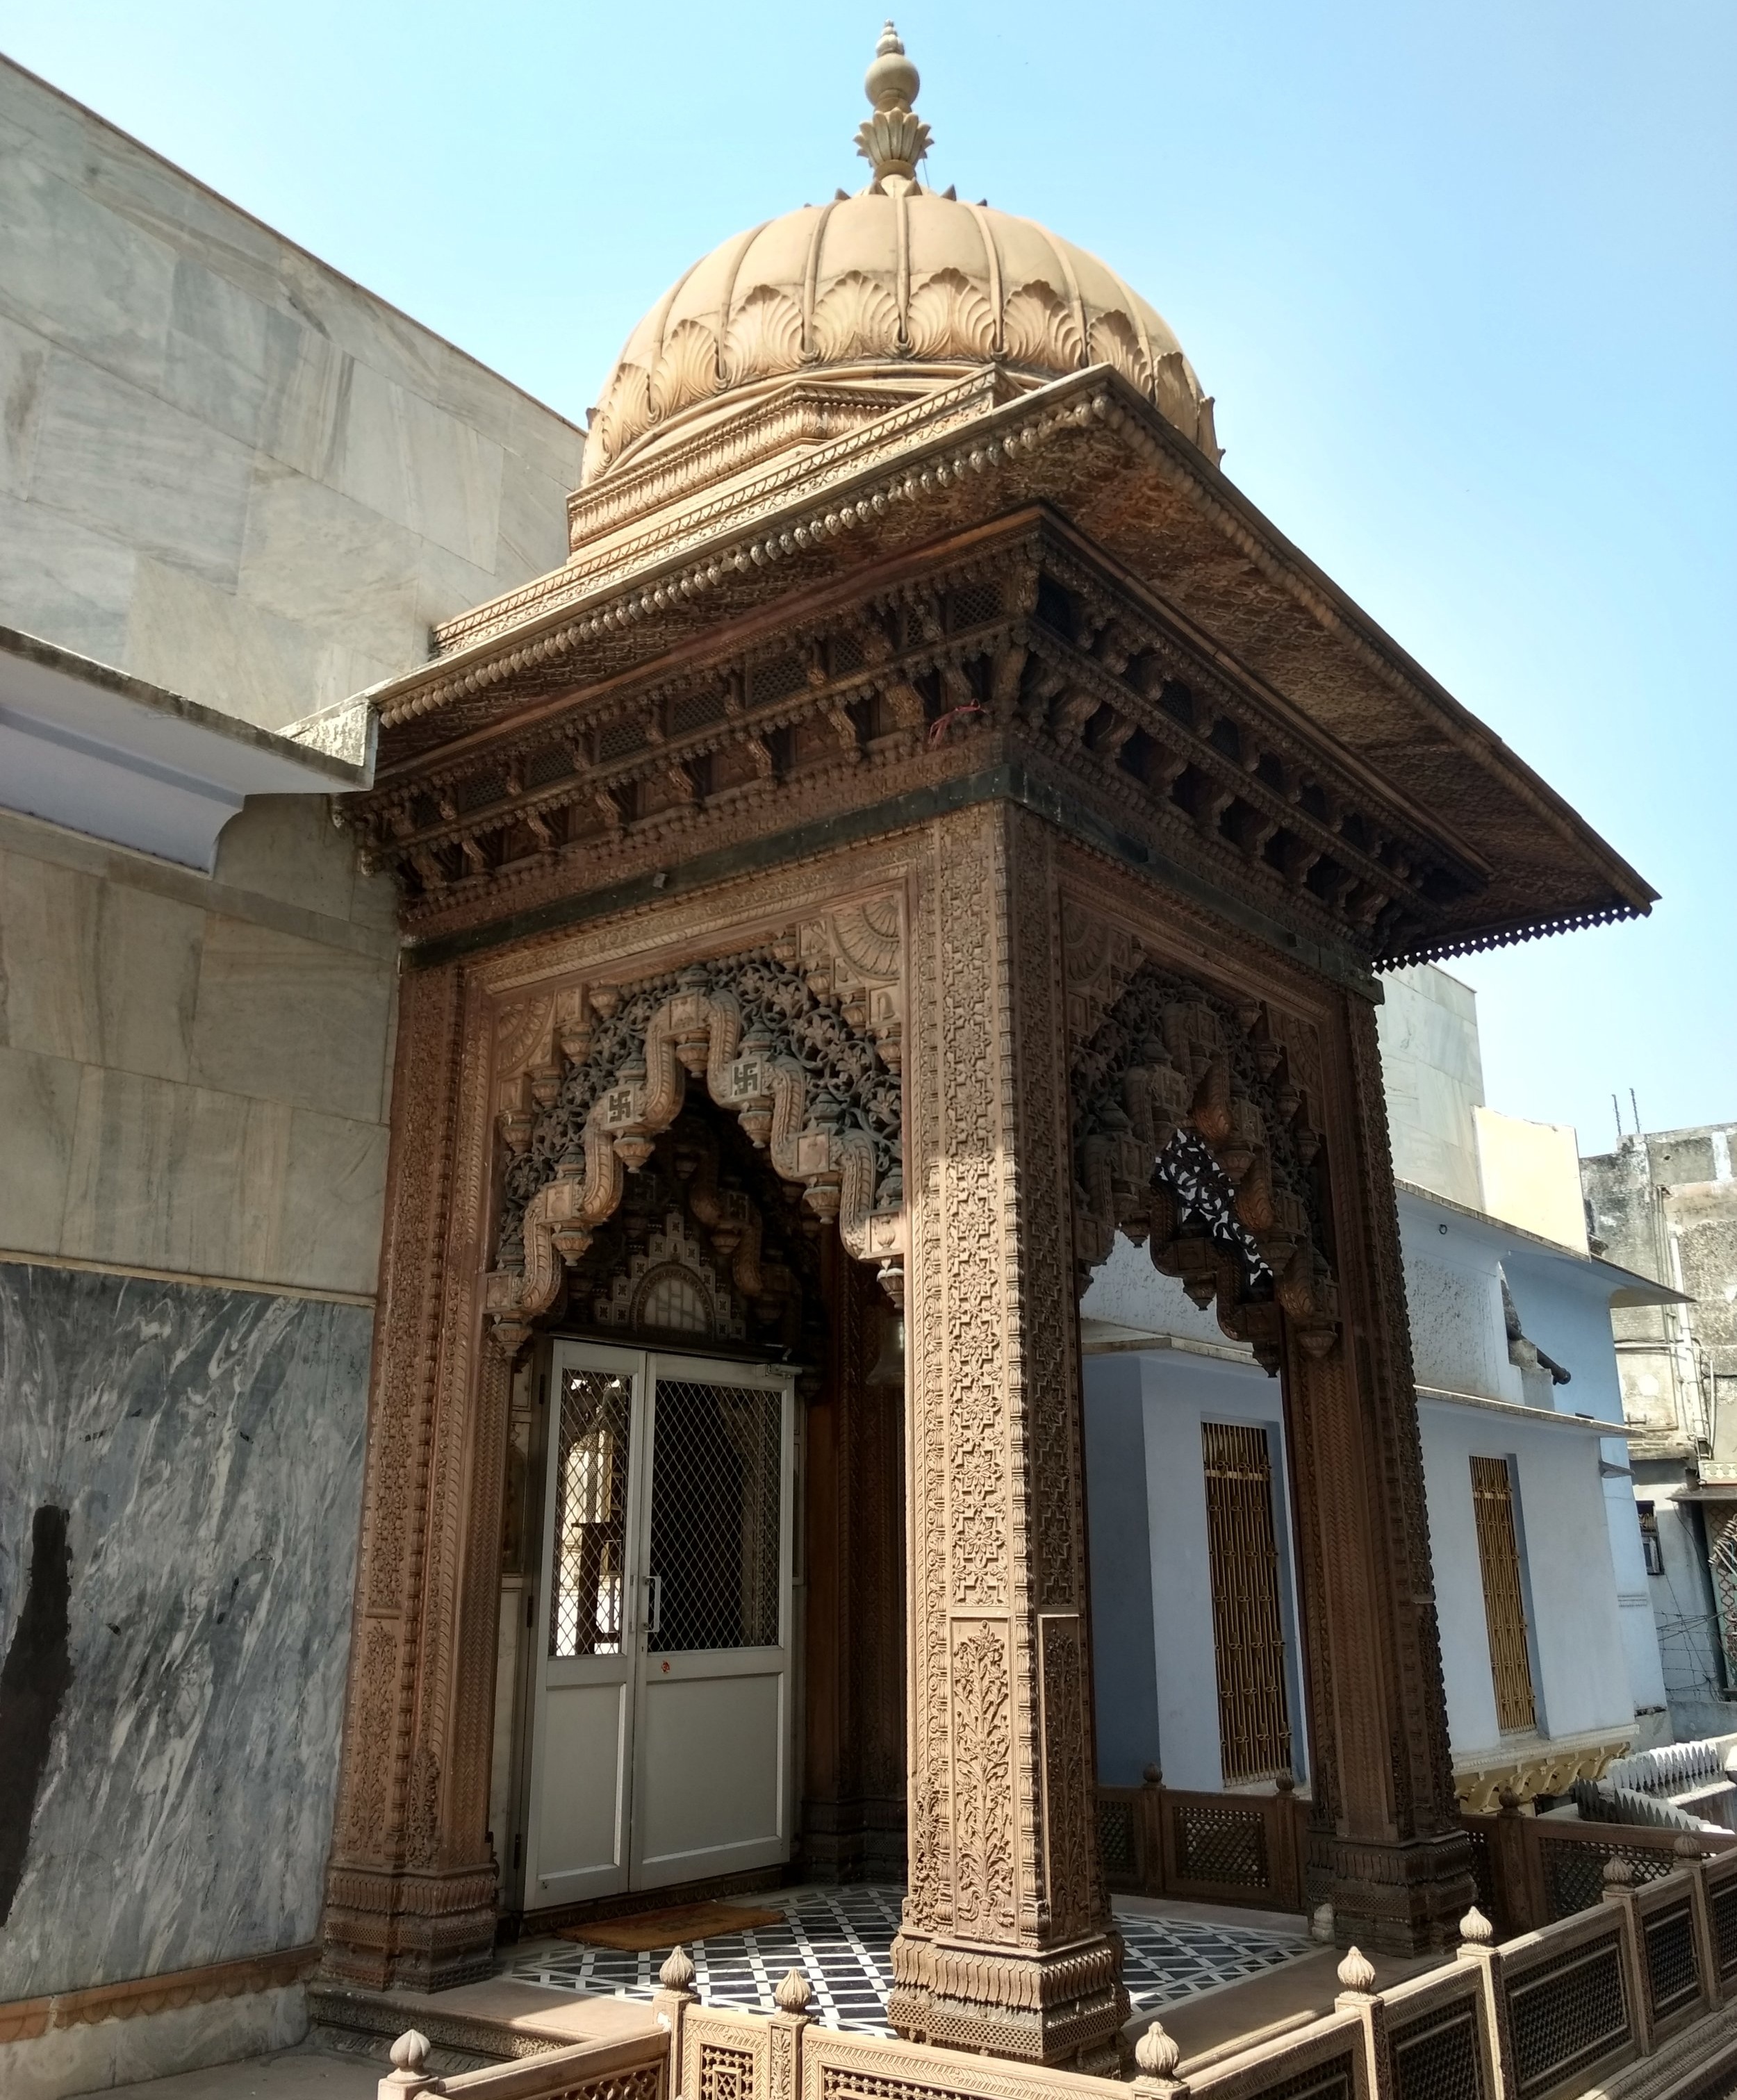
(661, 1734)
(581, 1753)
(712, 1728)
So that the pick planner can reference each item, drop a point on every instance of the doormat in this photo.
(648, 1930)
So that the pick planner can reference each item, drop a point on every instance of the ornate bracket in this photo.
(1190, 1135)
(800, 1040)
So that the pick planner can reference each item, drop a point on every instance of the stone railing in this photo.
(1236, 1848)
(637, 2067)
(1531, 1870)
(1635, 1997)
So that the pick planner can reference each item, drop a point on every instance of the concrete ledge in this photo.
(149, 2036)
(477, 2024)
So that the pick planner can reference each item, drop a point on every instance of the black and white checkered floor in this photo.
(842, 1939)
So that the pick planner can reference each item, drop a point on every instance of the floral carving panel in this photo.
(800, 1039)
(1191, 1134)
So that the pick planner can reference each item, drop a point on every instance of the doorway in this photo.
(661, 1722)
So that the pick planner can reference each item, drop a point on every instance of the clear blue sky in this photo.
(1463, 281)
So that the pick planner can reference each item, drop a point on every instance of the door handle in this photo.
(654, 1617)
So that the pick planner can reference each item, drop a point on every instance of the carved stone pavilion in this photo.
(931, 824)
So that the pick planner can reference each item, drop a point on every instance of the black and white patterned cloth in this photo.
(842, 1938)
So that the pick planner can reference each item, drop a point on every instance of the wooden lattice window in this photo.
(1254, 1721)
(1503, 1593)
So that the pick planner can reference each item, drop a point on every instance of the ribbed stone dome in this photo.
(895, 284)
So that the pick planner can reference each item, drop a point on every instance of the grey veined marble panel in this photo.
(208, 1446)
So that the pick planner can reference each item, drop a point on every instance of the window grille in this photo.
(590, 1513)
(775, 678)
(1574, 1873)
(1223, 1843)
(1503, 1596)
(716, 1516)
(1116, 1843)
(619, 739)
(1437, 2057)
(1723, 1905)
(693, 711)
(1566, 2014)
(554, 761)
(1254, 1724)
(1671, 1980)
(971, 604)
(1334, 2079)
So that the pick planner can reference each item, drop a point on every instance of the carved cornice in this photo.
(1019, 650)
(1131, 485)
(711, 457)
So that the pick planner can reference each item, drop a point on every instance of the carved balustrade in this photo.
(1532, 1870)
(1635, 1995)
(1234, 1848)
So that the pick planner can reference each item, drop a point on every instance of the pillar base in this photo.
(419, 1929)
(1060, 2006)
(1397, 1897)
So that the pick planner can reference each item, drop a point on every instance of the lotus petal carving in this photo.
(1116, 341)
(950, 318)
(1174, 397)
(1038, 326)
(686, 370)
(765, 337)
(625, 411)
(857, 318)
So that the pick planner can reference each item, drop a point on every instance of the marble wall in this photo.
(223, 467)
(194, 1076)
(206, 1444)
(194, 1070)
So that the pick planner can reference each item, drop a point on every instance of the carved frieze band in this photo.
(800, 1038)
(873, 692)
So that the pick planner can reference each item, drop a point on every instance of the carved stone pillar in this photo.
(1006, 1944)
(410, 1888)
(1387, 1829)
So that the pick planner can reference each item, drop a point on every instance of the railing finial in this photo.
(1357, 1973)
(793, 1994)
(1156, 2056)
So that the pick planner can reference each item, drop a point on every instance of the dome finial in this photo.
(894, 140)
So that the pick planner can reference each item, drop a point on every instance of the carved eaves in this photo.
(1022, 652)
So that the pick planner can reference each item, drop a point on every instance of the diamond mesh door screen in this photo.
(1254, 1721)
(590, 1513)
(716, 1516)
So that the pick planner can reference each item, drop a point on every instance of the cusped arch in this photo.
(812, 1081)
(1191, 1134)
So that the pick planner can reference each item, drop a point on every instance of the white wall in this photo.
(1453, 1292)
(1433, 1079)
(1127, 1291)
(1119, 1540)
(1580, 1674)
(1175, 1680)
